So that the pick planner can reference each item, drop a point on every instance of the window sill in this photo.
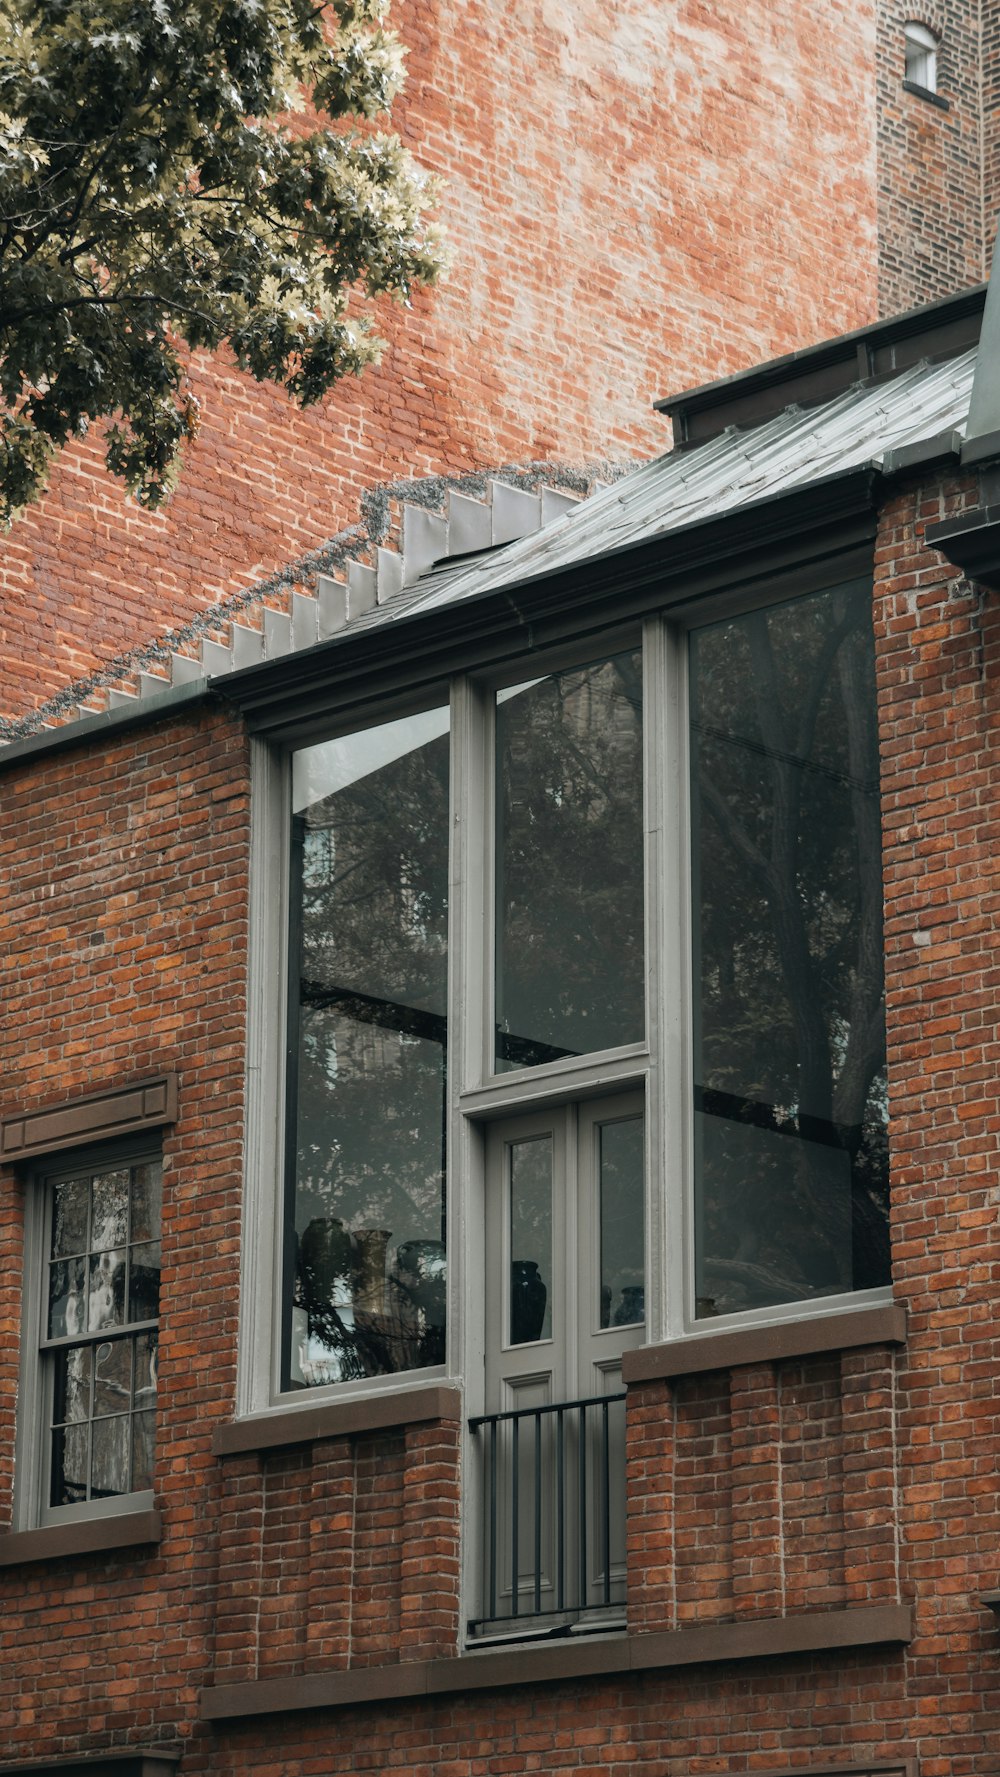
(924, 92)
(336, 1419)
(697, 1353)
(134, 1761)
(84, 1536)
(592, 1657)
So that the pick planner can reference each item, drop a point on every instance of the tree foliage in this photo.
(162, 184)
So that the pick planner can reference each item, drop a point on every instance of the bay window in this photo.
(585, 1044)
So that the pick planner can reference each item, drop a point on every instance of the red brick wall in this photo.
(123, 953)
(638, 197)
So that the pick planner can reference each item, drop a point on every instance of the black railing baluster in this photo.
(560, 1510)
(606, 1513)
(538, 1514)
(494, 1434)
(569, 1598)
(582, 1465)
(515, 1500)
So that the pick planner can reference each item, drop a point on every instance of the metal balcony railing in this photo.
(553, 1494)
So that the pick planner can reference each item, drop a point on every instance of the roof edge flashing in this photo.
(104, 722)
(934, 332)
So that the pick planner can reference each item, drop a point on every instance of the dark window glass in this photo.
(621, 1159)
(569, 898)
(791, 1155)
(102, 1370)
(365, 1260)
(530, 1315)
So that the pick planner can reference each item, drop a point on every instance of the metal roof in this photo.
(925, 406)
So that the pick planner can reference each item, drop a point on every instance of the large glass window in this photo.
(569, 893)
(787, 1036)
(365, 1233)
(791, 1185)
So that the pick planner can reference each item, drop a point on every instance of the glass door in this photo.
(564, 1300)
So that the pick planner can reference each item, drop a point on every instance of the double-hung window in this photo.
(90, 1347)
(585, 1044)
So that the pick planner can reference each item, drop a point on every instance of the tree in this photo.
(190, 173)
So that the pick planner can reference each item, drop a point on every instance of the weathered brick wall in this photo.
(639, 197)
(930, 161)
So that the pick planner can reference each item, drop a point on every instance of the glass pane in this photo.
(109, 1471)
(144, 1282)
(569, 915)
(143, 1442)
(72, 1385)
(70, 1206)
(70, 1464)
(67, 1298)
(530, 1240)
(107, 1291)
(145, 1203)
(366, 1258)
(622, 1286)
(110, 1223)
(790, 1130)
(145, 1369)
(113, 1376)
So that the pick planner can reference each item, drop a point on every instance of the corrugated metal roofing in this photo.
(737, 469)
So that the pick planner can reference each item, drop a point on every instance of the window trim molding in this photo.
(258, 1353)
(67, 1123)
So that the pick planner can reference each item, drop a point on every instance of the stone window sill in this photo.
(336, 1419)
(590, 1657)
(86, 1536)
(136, 1761)
(699, 1353)
(924, 92)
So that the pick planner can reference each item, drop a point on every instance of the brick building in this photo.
(686, 1462)
(571, 844)
(637, 198)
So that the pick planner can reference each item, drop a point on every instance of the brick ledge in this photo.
(541, 1662)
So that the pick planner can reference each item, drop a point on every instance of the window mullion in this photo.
(667, 989)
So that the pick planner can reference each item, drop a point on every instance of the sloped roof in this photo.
(875, 426)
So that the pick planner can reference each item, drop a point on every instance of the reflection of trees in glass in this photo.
(104, 1389)
(369, 1188)
(569, 863)
(790, 1034)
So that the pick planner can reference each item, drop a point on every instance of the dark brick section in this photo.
(931, 161)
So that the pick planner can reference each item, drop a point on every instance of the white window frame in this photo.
(33, 1449)
(661, 1066)
(920, 55)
